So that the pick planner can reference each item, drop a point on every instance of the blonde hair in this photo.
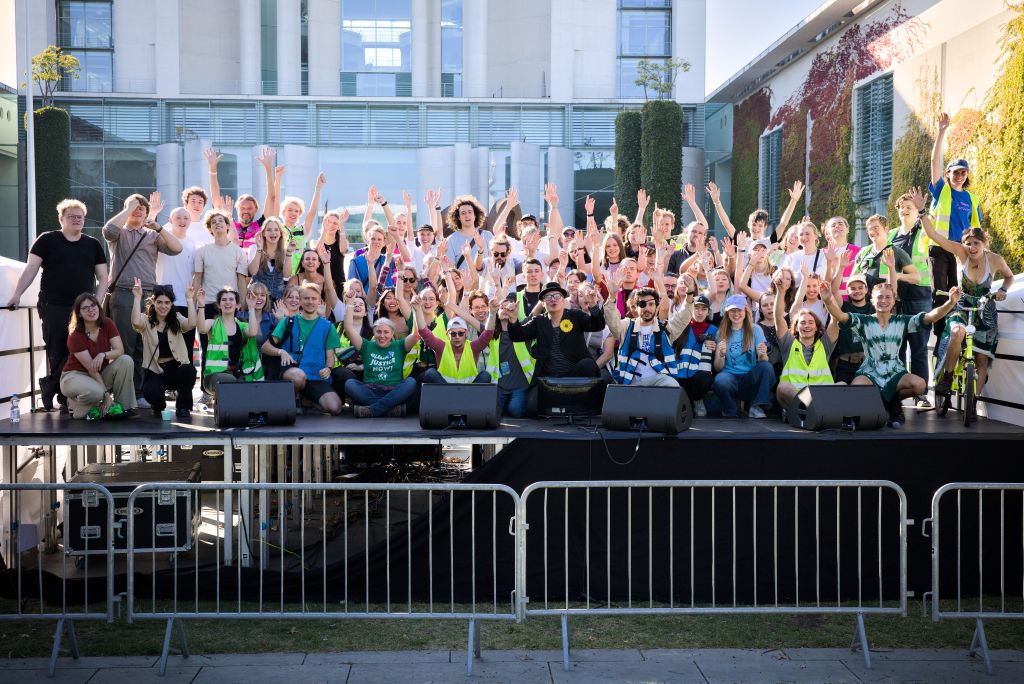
(66, 204)
(294, 200)
(725, 330)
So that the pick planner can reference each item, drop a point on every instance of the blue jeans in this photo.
(380, 398)
(918, 341)
(513, 402)
(432, 375)
(755, 386)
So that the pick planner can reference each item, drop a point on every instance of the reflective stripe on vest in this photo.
(918, 255)
(798, 373)
(460, 373)
(943, 207)
(526, 362)
(217, 349)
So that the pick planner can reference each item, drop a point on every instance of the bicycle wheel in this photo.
(970, 387)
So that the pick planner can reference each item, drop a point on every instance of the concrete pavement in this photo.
(419, 667)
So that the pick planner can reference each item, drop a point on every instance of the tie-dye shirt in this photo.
(882, 360)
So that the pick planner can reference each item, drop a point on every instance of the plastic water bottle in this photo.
(15, 409)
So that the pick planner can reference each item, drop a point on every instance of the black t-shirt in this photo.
(675, 261)
(69, 268)
(907, 291)
(530, 300)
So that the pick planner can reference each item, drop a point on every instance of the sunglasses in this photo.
(456, 333)
(408, 280)
(499, 254)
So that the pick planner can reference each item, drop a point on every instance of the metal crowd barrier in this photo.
(41, 590)
(981, 528)
(403, 551)
(700, 547)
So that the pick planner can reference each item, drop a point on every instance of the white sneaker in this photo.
(698, 408)
(756, 412)
(142, 403)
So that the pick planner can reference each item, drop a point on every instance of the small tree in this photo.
(50, 67)
(659, 77)
(628, 130)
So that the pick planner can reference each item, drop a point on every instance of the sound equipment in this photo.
(251, 404)
(568, 397)
(851, 407)
(651, 409)
(473, 405)
(210, 458)
(165, 521)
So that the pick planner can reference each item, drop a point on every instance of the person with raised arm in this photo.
(808, 296)
(231, 353)
(757, 222)
(954, 209)
(166, 359)
(741, 360)
(315, 267)
(306, 345)
(97, 377)
(134, 239)
(178, 270)
(271, 261)
(292, 209)
(247, 224)
(688, 253)
(978, 269)
(695, 348)
(72, 263)
(465, 219)
(456, 358)
(881, 334)
(383, 390)
(837, 232)
(805, 348)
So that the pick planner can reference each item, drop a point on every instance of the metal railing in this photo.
(437, 551)
(981, 528)
(40, 590)
(700, 547)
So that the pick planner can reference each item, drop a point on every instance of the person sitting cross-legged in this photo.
(382, 389)
(805, 350)
(306, 344)
(456, 361)
(645, 355)
(741, 359)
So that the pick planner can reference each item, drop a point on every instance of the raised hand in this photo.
(250, 300)
(797, 190)
(156, 205)
(642, 200)
(228, 204)
(728, 247)
(212, 158)
(889, 258)
(279, 171)
(804, 269)
(917, 197)
(551, 194)
(943, 121)
(512, 198)
(588, 205)
(201, 296)
(279, 310)
(267, 157)
(371, 198)
(321, 180)
(714, 193)
(137, 287)
(742, 240)
(407, 200)
(689, 194)
(614, 209)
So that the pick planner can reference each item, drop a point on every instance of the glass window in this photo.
(451, 48)
(84, 24)
(268, 46)
(376, 35)
(645, 33)
(627, 77)
(769, 176)
(873, 140)
(594, 175)
(370, 85)
(645, 3)
(97, 74)
(357, 168)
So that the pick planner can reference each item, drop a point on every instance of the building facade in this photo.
(470, 96)
(835, 100)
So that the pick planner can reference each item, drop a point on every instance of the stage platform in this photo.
(53, 429)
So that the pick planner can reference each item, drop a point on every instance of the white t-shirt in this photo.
(198, 234)
(796, 259)
(646, 342)
(220, 266)
(177, 270)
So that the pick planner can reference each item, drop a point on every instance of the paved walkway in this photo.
(416, 667)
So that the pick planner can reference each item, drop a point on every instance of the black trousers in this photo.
(54, 319)
(944, 276)
(178, 377)
(190, 336)
(697, 385)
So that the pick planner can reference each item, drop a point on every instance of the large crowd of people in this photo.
(742, 324)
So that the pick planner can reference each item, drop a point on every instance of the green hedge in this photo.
(53, 164)
(661, 150)
(628, 127)
(911, 163)
(750, 118)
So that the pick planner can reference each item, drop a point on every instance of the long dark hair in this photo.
(173, 325)
(382, 311)
(77, 322)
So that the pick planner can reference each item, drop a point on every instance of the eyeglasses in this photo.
(456, 333)
(88, 307)
(499, 254)
(408, 280)
(646, 303)
(552, 296)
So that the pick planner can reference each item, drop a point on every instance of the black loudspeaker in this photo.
(473, 405)
(651, 409)
(568, 397)
(251, 404)
(853, 407)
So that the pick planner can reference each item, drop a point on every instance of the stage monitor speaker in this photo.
(851, 407)
(568, 397)
(473, 406)
(651, 409)
(251, 404)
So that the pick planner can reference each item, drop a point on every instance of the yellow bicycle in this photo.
(965, 375)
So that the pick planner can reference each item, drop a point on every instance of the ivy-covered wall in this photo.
(750, 118)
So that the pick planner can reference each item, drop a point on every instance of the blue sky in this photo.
(739, 30)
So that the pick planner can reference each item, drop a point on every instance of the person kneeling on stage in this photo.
(695, 348)
(560, 348)
(882, 334)
(741, 357)
(456, 361)
(98, 376)
(382, 389)
(163, 347)
(805, 349)
(645, 355)
(306, 344)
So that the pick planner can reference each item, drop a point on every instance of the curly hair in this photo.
(453, 212)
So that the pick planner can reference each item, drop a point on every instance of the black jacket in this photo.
(574, 344)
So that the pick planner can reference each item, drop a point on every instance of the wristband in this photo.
(590, 216)
(922, 212)
(213, 173)
(384, 203)
(437, 208)
(1002, 289)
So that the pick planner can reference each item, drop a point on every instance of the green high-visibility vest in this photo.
(493, 363)
(943, 207)
(217, 353)
(461, 372)
(799, 373)
(918, 255)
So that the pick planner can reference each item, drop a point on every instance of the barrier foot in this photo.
(58, 637)
(980, 642)
(473, 645)
(565, 642)
(861, 635)
(173, 625)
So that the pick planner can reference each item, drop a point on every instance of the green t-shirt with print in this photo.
(382, 365)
